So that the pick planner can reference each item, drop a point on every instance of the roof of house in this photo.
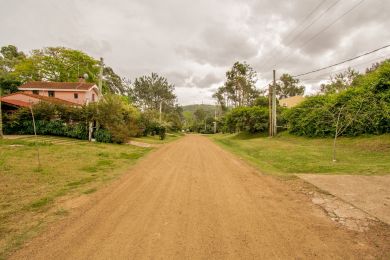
(14, 102)
(56, 85)
(53, 100)
(291, 101)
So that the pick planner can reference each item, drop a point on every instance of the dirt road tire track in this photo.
(192, 200)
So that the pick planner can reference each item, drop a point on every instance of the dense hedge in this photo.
(250, 119)
(116, 120)
(364, 108)
(44, 127)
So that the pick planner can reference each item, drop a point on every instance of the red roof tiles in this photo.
(53, 100)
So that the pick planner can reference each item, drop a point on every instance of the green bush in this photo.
(249, 119)
(362, 109)
(102, 135)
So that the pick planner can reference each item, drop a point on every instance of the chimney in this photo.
(81, 79)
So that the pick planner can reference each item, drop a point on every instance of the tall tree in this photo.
(239, 88)
(57, 64)
(148, 92)
(288, 87)
(9, 58)
(340, 81)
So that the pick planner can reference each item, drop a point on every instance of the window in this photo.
(35, 92)
(76, 95)
(50, 93)
(93, 97)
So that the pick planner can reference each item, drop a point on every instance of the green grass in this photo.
(287, 154)
(29, 194)
(155, 139)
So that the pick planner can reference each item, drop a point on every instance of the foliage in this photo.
(118, 117)
(340, 82)
(239, 88)
(103, 136)
(116, 120)
(9, 58)
(288, 87)
(249, 119)
(57, 64)
(363, 109)
(148, 92)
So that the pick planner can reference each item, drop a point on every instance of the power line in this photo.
(332, 23)
(300, 24)
(309, 25)
(320, 77)
(341, 62)
(324, 29)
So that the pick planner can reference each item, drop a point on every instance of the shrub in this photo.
(363, 109)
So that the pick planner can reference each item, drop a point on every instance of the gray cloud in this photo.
(193, 43)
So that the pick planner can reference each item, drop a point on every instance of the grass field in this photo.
(69, 168)
(286, 154)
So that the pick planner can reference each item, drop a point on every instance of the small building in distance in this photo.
(291, 101)
(76, 92)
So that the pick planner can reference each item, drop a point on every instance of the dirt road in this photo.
(192, 200)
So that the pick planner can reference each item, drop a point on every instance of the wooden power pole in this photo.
(270, 111)
(274, 126)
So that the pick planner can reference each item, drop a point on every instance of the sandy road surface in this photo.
(192, 200)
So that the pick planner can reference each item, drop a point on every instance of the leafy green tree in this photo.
(9, 58)
(239, 88)
(118, 117)
(148, 92)
(57, 64)
(288, 87)
(113, 83)
(340, 81)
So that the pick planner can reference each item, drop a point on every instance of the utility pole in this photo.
(215, 120)
(101, 76)
(274, 126)
(270, 120)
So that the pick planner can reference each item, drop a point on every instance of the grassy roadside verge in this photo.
(287, 154)
(29, 195)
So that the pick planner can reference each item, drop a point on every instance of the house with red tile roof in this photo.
(74, 92)
(25, 99)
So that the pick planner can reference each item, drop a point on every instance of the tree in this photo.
(9, 58)
(113, 83)
(340, 81)
(149, 92)
(57, 64)
(61, 64)
(288, 87)
(239, 88)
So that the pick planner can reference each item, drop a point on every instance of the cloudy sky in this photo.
(193, 43)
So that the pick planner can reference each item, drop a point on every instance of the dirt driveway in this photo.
(192, 200)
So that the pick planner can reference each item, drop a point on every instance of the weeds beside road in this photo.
(69, 167)
(287, 154)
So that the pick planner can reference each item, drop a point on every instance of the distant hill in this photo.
(192, 108)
